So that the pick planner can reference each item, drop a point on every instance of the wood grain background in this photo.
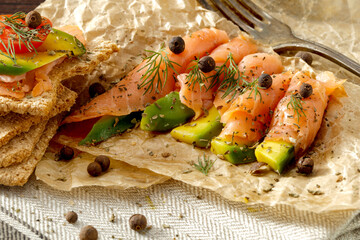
(12, 6)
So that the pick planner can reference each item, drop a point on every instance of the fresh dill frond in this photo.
(296, 104)
(196, 76)
(157, 65)
(232, 82)
(204, 164)
(253, 87)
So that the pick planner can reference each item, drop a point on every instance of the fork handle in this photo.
(324, 51)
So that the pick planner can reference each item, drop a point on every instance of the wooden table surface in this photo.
(12, 6)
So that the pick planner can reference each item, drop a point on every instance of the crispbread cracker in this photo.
(18, 174)
(13, 124)
(42, 105)
(21, 146)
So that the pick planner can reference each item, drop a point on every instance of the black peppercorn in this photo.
(104, 162)
(306, 90)
(88, 233)
(177, 45)
(206, 64)
(66, 153)
(33, 19)
(94, 169)
(96, 89)
(305, 165)
(307, 57)
(137, 222)
(265, 81)
(71, 217)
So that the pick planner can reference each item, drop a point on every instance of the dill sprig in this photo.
(196, 76)
(157, 65)
(253, 87)
(22, 34)
(232, 82)
(296, 104)
(204, 165)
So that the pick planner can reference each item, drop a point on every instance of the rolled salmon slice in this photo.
(250, 114)
(126, 96)
(201, 98)
(298, 127)
(297, 119)
(251, 67)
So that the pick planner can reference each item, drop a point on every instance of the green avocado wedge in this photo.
(276, 154)
(201, 131)
(165, 114)
(109, 126)
(235, 154)
(57, 44)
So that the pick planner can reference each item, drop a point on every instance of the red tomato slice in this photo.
(11, 25)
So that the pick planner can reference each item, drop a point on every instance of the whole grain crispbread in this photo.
(43, 104)
(18, 174)
(21, 146)
(13, 124)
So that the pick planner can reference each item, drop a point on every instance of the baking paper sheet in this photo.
(139, 25)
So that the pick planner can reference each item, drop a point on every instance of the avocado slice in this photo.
(201, 131)
(57, 45)
(277, 154)
(165, 114)
(109, 126)
(234, 153)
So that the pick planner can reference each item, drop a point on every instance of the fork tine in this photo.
(257, 9)
(229, 13)
(243, 11)
(206, 5)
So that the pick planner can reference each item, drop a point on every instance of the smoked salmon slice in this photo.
(201, 98)
(131, 94)
(250, 114)
(250, 67)
(299, 125)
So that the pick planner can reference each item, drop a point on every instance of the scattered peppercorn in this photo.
(33, 19)
(94, 169)
(206, 64)
(71, 217)
(307, 57)
(66, 153)
(96, 89)
(177, 45)
(305, 165)
(137, 222)
(104, 162)
(265, 81)
(306, 90)
(88, 233)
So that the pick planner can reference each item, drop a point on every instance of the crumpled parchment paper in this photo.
(139, 25)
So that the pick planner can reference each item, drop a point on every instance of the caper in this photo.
(305, 165)
(137, 222)
(71, 217)
(265, 81)
(96, 89)
(66, 153)
(306, 90)
(177, 45)
(88, 233)
(206, 64)
(33, 19)
(307, 57)
(104, 162)
(94, 169)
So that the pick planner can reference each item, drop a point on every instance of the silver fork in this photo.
(264, 28)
